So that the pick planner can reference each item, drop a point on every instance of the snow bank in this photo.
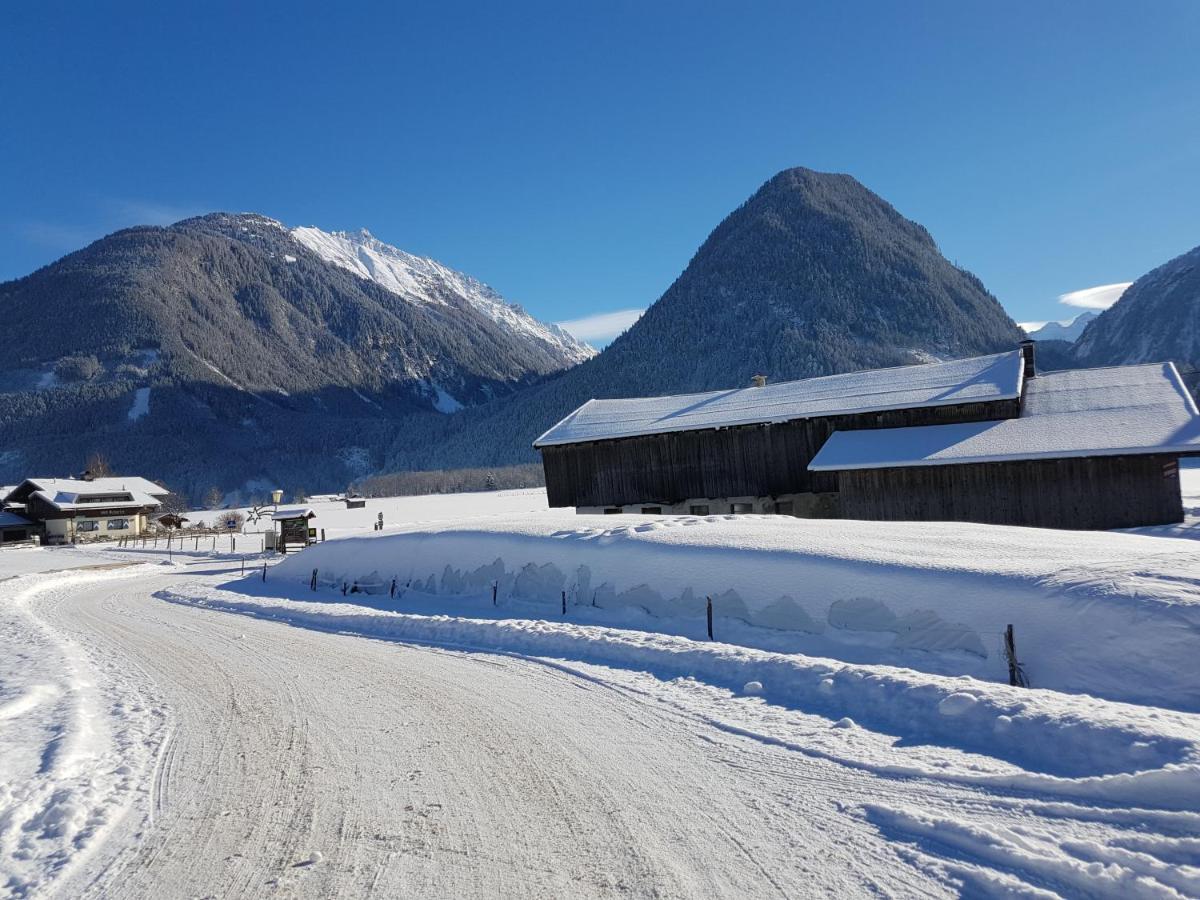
(72, 758)
(1033, 740)
(1114, 615)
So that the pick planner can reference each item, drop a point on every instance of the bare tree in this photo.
(213, 498)
(97, 465)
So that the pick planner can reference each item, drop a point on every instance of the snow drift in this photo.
(1116, 615)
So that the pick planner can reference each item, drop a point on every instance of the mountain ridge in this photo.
(813, 274)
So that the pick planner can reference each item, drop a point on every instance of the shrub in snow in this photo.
(752, 687)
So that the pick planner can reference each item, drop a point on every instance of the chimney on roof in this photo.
(1027, 356)
(758, 380)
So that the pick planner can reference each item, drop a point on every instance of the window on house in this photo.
(613, 511)
(651, 510)
(87, 526)
(784, 507)
(737, 508)
(698, 509)
(118, 524)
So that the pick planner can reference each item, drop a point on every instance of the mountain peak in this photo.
(425, 281)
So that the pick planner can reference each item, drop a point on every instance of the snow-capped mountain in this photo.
(425, 280)
(1062, 331)
(292, 365)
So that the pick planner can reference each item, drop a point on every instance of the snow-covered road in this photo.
(284, 761)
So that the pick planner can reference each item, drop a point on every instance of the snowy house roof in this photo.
(976, 380)
(68, 501)
(295, 512)
(9, 519)
(1084, 412)
(80, 486)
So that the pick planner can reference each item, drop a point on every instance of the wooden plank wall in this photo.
(1088, 493)
(749, 460)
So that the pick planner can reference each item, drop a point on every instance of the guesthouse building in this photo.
(986, 439)
(71, 510)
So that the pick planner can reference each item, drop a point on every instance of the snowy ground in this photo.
(174, 729)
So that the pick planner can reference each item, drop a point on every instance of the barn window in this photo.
(651, 510)
(738, 508)
(784, 507)
(118, 524)
(613, 511)
(88, 526)
(698, 509)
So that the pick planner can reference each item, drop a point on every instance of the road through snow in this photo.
(294, 762)
(320, 764)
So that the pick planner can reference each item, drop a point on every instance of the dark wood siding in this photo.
(747, 460)
(1089, 493)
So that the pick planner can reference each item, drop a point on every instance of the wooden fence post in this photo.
(264, 571)
(564, 599)
(1016, 674)
(243, 566)
(393, 589)
(494, 586)
(709, 610)
(313, 584)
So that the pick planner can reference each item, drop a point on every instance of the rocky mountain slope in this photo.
(813, 275)
(1156, 319)
(428, 281)
(224, 350)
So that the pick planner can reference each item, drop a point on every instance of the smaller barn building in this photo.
(70, 510)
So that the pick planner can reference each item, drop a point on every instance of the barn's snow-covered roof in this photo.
(294, 512)
(1083, 412)
(975, 380)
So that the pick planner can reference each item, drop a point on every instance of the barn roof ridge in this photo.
(992, 377)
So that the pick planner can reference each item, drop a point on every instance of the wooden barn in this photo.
(984, 440)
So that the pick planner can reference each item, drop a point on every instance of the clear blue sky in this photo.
(575, 155)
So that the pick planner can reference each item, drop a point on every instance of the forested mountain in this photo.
(1156, 319)
(229, 350)
(223, 350)
(813, 275)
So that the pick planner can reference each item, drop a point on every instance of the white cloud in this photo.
(1100, 297)
(602, 327)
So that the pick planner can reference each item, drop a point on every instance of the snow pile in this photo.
(1025, 740)
(1109, 614)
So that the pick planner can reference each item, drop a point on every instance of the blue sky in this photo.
(575, 155)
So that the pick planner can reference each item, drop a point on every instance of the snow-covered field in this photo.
(172, 728)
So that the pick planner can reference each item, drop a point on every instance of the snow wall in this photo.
(1113, 615)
